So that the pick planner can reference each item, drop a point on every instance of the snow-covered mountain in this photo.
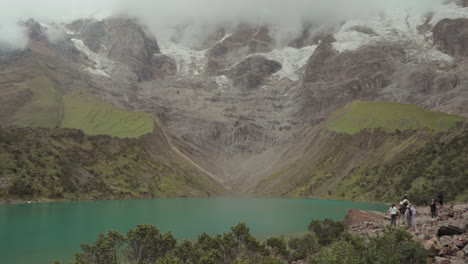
(244, 97)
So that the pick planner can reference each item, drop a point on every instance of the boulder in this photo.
(451, 35)
(459, 243)
(252, 71)
(357, 217)
(449, 231)
(445, 241)
(440, 260)
(433, 247)
(446, 251)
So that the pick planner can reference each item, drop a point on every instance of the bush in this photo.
(327, 230)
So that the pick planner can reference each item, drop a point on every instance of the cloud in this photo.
(202, 16)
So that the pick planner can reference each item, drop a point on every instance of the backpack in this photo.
(410, 211)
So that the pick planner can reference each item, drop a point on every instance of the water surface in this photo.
(42, 233)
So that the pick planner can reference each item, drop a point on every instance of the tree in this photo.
(145, 244)
(104, 251)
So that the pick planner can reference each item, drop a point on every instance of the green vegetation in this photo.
(375, 165)
(146, 244)
(39, 103)
(39, 163)
(388, 116)
(95, 117)
(45, 107)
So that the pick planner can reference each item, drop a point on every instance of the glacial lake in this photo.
(42, 233)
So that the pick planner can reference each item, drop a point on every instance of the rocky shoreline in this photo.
(445, 237)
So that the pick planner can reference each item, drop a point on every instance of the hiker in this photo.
(405, 197)
(402, 210)
(393, 213)
(440, 197)
(409, 214)
(433, 209)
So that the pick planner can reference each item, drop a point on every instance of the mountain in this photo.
(255, 112)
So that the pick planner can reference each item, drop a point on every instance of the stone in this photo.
(459, 243)
(440, 260)
(456, 260)
(449, 231)
(433, 246)
(446, 251)
(445, 241)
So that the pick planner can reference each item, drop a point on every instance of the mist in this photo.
(198, 18)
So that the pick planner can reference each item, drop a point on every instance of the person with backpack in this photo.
(402, 210)
(433, 209)
(393, 214)
(409, 215)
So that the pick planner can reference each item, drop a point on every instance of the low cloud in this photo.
(202, 17)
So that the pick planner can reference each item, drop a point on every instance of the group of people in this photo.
(408, 212)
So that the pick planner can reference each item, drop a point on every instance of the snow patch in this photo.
(399, 28)
(189, 61)
(291, 59)
(101, 62)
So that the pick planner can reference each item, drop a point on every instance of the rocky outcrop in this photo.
(244, 41)
(163, 66)
(357, 217)
(251, 72)
(451, 35)
(122, 40)
(331, 78)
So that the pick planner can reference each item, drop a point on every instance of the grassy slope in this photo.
(48, 107)
(45, 107)
(377, 165)
(66, 163)
(95, 117)
(389, 116)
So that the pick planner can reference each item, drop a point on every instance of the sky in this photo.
(200, 16)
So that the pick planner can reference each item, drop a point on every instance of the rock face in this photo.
(252, 71)
(333, 78)
(244, 41)
(163, 66)
(125, 41)
(451, 35)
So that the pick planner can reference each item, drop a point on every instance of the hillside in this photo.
(41, 163)
(388, 116)
(50, 107)
(374, 163)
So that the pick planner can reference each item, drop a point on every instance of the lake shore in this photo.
(442, 247)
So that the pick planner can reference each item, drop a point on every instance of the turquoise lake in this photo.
(42, 233)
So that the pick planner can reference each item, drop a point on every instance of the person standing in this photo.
(393, 213)
(433, 209)
(402, 210)
(440, 197)
(409, 215)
